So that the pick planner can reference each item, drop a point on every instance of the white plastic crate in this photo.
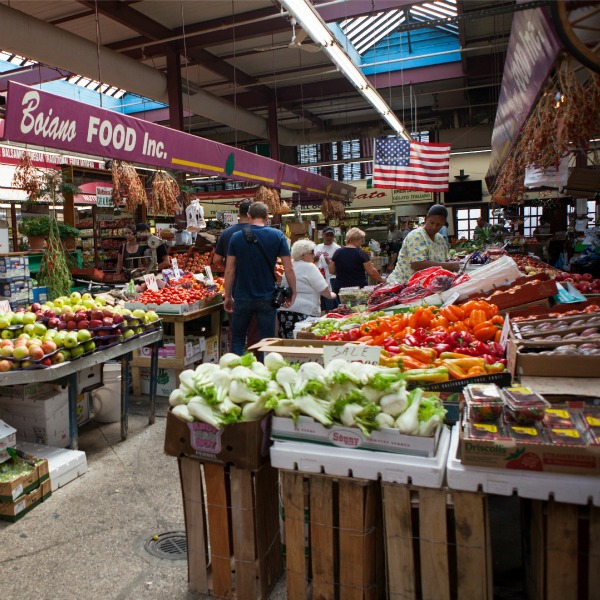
(343, 462)
(570, 489)
(64, 465)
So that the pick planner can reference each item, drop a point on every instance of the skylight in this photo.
(366, 31)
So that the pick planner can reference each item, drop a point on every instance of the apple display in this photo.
(71, 325)
(39, 329)
(36, 353)
(7, 351)
(95, 323)
(77, 351)
(5, 365)
(4, 322)
(83, 324)
(128, 333)
(7, 334)
(48, 347)
(47, 362)
(89, 346)
(21, 352)
(29, 317)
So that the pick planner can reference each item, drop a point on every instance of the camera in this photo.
(281, 294)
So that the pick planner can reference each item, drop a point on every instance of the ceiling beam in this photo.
(33, 75)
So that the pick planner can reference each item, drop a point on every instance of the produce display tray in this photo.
(571, 489)
(343, 462)
(64, 465)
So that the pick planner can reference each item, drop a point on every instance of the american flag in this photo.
(408, 165)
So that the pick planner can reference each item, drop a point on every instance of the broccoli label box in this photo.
(243, 445)
(385, 440)
(13, 488)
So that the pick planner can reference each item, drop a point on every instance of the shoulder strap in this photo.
(252, 239)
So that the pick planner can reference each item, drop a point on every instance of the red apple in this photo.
(587, 277)
(49, 313)
(83, 324)
(576, 276)
(5, 365)
(103, 332)
(59, 357)
(47, 362)
(117, 318)
(39, 314)
(70, 316)
(107, 312)
(36, 352)
(80, 315)
(61, 325)
(49, 347)
(35, 307)
(107, 322)
(96, 315)
(53, 323)
(71, 324)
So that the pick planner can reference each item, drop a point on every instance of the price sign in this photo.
(505, 331)
(150, 281)
(352, 353)
(176, 271)
(5, 306)
(103, 196)
(209, 275)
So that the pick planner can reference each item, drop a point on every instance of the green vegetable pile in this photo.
(351, 394)
(13, 469)
(325, 326)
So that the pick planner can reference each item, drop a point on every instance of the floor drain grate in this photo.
(171, 545)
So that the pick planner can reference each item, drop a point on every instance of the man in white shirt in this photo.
(323, 254)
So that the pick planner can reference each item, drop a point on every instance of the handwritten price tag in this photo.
(209, 275)
(176, 271)
(352, 353)
(451, 300)
(505, 330)
(4, 306)
(150, 281)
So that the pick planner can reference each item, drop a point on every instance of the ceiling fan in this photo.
(295, 42)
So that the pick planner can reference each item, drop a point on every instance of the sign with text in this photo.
(150, 281)
(352, 353)
(104, 196)
(532, 51)
(5, 306)
(37, 117)
(368, 198)
(176, 271)
(505, 330)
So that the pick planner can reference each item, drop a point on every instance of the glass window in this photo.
(531, 219)
(466, 221)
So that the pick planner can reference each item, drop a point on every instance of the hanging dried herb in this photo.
(333, 210)
(165, 191)
(270, 197)
(27, 177)
(127, 182)
(54, 270)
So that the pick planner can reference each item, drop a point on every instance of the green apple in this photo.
(70, 340)
(39, 329)
(17, 318)
(59, 338)
(89, 346)
(128, 333)
(21, 352)
(59, 302)
(65, 354)
(139, 330)
(138, 313)
(88, 302)
(87, 296)
(75, 298)
(29, 328)
(101, 300)
(84, 335)
(7, 334)
(4, 322)
(77, 351)
(24, 336)
(151, 316)
(50, 335)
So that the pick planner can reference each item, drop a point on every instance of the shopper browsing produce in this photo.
(162, 254)
(224, 239)
(250, 278)
(323, 255)
(424, 247)
(310, 285)
(351, 264)
(130, 249)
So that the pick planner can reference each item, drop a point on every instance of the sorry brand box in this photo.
(244, 445)
(386, 440)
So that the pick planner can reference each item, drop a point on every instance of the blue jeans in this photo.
(243, 310)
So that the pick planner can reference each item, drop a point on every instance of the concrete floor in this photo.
(87, 540)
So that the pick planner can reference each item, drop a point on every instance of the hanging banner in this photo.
(531, 54)
(371, 198)
(44, 119)
(9, 155)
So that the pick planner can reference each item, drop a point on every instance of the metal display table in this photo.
(68, 371)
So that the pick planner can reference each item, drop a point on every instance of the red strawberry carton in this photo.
(530, 434)
(559, 418)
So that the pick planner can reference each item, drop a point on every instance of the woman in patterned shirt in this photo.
(424, 247)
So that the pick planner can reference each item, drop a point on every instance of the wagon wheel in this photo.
(577, 23)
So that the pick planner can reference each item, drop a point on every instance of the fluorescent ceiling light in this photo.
(304, 214)
(316, 28)
(362, 210)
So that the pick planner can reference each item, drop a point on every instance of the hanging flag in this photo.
(408, 165)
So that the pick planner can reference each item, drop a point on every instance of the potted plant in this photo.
(38, 230)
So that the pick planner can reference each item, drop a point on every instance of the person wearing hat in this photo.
(323, 254)
(424, 247)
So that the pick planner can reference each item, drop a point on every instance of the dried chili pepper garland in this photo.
(126, 178)
(27, 177)
(165, 190)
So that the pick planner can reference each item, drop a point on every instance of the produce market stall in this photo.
(73, 371)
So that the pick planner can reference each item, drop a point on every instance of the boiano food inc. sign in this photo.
(41, 119)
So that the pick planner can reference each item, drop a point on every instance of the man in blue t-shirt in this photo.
(249, 280)
(223, 242)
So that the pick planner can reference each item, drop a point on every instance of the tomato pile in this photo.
(194, 261)
(174, 295)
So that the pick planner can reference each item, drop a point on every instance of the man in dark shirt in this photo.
(250, 279)
(220, 253)
(162, 254)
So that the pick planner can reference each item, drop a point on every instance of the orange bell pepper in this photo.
(497, 319)
(478, 316)
(424, 355)
(453, 313)
(476, 372)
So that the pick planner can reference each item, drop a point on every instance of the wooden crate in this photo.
(232, 528)
(344, 556)
(561, 549)
(437, 544)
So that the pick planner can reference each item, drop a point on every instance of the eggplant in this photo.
(589, 332)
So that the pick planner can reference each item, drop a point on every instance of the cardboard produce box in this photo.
(244, 445)
(507, 453)
(14, 511)
(521, 362)
(12, 490)
(296, 351)
(386, 440)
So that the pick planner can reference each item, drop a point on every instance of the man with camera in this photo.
(250, 285)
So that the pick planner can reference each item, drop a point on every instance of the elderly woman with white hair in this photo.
(351, 264)
(310, 285)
